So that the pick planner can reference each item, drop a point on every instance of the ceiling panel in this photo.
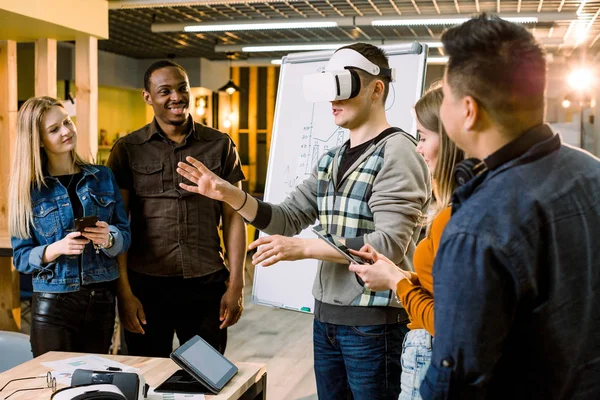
(131, 35)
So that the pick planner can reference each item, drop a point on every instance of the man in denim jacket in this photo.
(517, 274)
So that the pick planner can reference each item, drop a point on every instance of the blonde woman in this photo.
(73, 307)
(415, 290)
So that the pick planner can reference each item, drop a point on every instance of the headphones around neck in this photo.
(471, 167)
(468, 169)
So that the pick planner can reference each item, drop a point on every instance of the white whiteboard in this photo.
(302, 132)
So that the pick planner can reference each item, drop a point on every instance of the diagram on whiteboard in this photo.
(313, 146)
(316, 139)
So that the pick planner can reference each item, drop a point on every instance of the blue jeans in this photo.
(416, 357)
(358, 362)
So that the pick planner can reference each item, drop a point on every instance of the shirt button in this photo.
(181, 241)
(83, 198)
(447, 363)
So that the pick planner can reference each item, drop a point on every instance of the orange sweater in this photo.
(416, 295)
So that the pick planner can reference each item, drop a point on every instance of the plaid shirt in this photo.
(343, 206)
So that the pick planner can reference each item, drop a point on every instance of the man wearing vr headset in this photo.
(373, 189)
(517, 273)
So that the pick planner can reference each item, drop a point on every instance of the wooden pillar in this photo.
(252, 126)
(45, 67)
(234, 107)
(271, 94)
(86, 95)
(10, 311)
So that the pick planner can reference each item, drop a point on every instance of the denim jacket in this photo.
(517, 281)
(53, 219)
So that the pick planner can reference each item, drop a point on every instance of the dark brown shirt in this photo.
(174, 232)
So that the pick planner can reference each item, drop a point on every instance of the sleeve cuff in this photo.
(402, 287)
(355, 243)
(263, 215)
(117, 246)
(36, 256)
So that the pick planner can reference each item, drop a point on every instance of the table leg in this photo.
(258, 391)
(10, 302)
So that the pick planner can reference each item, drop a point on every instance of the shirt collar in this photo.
(518, 146)
(535, 143)
(154, 129)
(196, 131)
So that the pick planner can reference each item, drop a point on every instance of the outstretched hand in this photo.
(205, 181)
(275, 248)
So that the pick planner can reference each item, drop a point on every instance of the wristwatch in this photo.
(107, 245)
(111, 241)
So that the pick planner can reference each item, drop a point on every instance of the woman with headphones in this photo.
(415, 290)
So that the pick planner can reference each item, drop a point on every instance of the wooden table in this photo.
(250, 383)
(10, 301)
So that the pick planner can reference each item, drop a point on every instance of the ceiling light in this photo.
(259, 26)
(520, 18)
(229, 88)
(433, 45)
(581, 79)
(437, 60)
(420, 21)
(442, 21)
(292, 47)
(225, 26)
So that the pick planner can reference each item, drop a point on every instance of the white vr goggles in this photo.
(337, 81)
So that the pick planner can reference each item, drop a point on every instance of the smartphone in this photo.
(338, 246)
(85, 222)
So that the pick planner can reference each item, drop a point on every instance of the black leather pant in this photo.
(81, 321)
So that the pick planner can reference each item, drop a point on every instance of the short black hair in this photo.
(378, 57)
(502, 66)
(156, 66)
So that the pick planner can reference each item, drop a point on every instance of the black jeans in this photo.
(81, 321)
(187, 307)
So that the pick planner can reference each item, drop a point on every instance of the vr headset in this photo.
(91, 391)
(130, 384)
(338, 81)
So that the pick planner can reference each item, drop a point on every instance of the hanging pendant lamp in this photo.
(230, 87)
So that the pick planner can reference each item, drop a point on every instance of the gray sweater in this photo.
(387, 205)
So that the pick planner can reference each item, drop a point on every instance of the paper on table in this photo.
(62, 370)
(152, 395)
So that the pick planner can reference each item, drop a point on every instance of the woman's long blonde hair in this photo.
(427, 111)
(28, 164)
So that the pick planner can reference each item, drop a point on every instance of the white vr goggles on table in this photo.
(116, 385)
(92, 391)
(337, 81)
